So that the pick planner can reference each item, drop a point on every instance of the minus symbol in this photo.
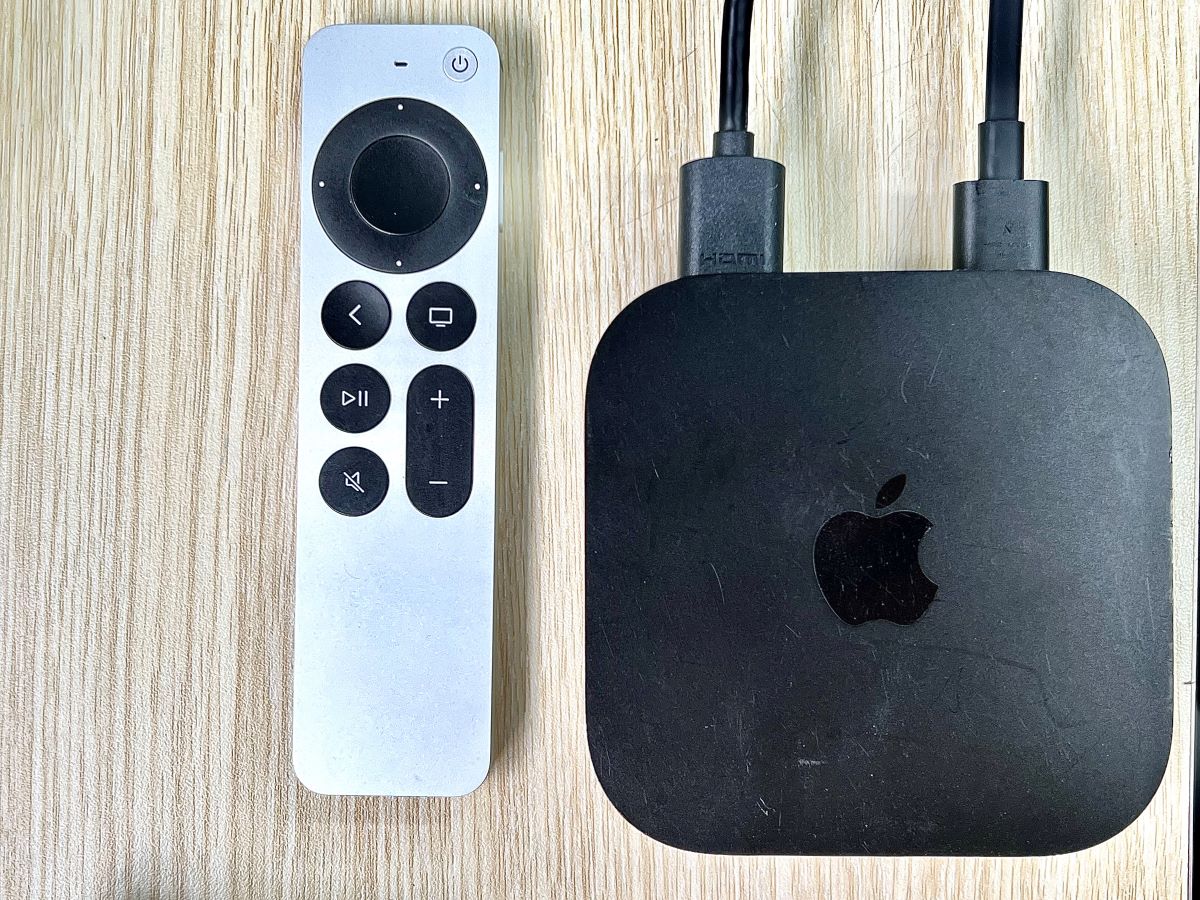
(439, 482)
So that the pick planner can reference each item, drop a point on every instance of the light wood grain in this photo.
(147, 432)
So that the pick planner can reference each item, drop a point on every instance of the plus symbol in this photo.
(439, 399)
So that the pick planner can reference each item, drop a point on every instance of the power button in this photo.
(460, 64)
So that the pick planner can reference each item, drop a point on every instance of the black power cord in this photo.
(731, 203)
(1002, 98)
(1002, 220)
(1002, 134)
(735, 65)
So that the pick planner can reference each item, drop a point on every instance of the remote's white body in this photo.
(394, 607)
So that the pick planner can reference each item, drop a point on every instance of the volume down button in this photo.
(441, 441)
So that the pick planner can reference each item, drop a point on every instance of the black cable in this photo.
(735, 65)
(731, 203)
(1002, 134)
(1004, 60)
(1002, 219)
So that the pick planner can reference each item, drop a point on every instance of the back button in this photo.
(356, 315)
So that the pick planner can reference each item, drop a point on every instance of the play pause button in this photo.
(355, 398)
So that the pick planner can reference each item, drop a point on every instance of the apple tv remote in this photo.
(399, 210)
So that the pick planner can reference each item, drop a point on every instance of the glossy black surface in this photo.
(440, 447)
(441, 316)
(355, 398)
(400, 185)
(730, 418)
(868, 567)
(354, 481)
(356, 315)
(372, 164)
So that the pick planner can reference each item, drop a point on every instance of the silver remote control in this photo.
(400, 191)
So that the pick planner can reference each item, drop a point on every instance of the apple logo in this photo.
(868, 567)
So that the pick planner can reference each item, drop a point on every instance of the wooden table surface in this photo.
(147, 427)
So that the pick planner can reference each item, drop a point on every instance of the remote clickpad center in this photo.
(400, 185)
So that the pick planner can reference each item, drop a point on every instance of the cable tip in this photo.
(731, 213)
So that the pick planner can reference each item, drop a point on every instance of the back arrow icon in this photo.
(354, 318)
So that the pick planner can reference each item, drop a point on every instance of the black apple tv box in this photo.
(879, 563)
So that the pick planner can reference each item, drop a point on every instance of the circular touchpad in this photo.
(400, 185)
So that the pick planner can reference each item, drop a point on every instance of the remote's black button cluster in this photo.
(441, 441)
(400, 184)
(441, 316)
(355, 398)
(354, 481)
(356, 315)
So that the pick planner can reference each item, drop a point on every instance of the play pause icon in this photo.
(359, 397)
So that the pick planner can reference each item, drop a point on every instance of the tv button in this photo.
(441, 316)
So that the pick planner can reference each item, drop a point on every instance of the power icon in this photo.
(460, 64)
